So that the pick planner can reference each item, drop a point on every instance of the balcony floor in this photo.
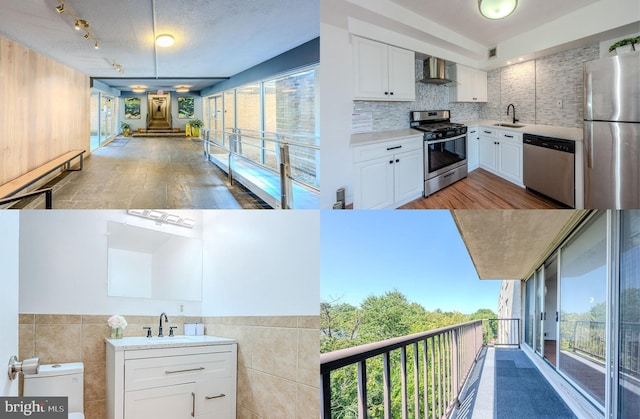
(506, 384)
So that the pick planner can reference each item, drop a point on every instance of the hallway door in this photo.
(9, 232)
(159, 111)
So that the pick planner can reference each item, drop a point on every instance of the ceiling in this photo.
(214, 39)
(510, 244)
(463, 17)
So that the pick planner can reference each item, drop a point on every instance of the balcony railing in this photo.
(291, 158)
(429, 367)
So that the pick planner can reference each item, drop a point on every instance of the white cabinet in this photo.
(473, 140)
(500, 152)
(388, 174)
(383, 72)
(470, 84)
(510, 156)
(172, 382)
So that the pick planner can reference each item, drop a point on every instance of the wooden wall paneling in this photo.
(44, 110)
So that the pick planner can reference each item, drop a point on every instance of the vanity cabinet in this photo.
(500, 152)
(172, 382)
(388, 174)
(383, 72)
(470, 84)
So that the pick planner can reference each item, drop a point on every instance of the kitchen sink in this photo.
(508, 125)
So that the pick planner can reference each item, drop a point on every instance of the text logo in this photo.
(34, 407)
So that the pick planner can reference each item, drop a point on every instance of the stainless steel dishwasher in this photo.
(549, 167)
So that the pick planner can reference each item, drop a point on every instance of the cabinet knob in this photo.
(397, 160)
(386, 93)
(391, 93)
(390, 161)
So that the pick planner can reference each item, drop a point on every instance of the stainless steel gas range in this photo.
(445, 149)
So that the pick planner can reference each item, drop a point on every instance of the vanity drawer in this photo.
(156, 372)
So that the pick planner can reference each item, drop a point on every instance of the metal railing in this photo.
(285, 155)
(48, 197)
(440, 359)
(589, 338)
(502, 332)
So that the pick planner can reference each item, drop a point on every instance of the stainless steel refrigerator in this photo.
(612, 132)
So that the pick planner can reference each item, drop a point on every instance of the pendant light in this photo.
(497, 9)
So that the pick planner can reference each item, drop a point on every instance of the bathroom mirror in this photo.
(147, 263)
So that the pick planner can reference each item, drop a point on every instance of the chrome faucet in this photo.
(514, 112)
(160, 328)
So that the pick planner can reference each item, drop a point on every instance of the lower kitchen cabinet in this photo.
(172, 383)
(388, 174)
(500, 152)
(473, 140)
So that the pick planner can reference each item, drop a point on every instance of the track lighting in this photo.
(80, 24)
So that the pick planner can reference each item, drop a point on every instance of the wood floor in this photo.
(483, 190)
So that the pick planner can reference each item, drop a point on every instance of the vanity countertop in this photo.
(141, 342)
(574, 134)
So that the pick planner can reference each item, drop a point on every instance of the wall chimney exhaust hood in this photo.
(434, 71)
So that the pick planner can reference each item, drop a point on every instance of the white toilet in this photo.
(59, 380)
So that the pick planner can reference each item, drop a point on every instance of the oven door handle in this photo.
(446, 139)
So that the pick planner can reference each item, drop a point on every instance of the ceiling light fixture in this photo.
(160, 217)
(80, 24)
(138, 89)
(118, 67)
(182, 89)
(164, 40)
(497, 9)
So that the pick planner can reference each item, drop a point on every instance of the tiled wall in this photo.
(534, 87)
(395, 115)
(278, 356)
(278, 364)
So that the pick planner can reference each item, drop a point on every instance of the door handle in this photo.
(545, 315)
(193, 404)
(556, 316)
(394, 148)
(188, 370)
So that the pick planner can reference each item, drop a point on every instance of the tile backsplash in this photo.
(278, 356)
(534, 87)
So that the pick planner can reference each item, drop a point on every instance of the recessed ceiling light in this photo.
(164, 40)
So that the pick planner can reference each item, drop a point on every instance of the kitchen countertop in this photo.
(573, 134)
(141, 342)
(382, 136)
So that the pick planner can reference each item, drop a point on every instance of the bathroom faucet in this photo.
(160, 328)
(514, 112)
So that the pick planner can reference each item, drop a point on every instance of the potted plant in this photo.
(195, 125)
(126, 128)
(625, 45)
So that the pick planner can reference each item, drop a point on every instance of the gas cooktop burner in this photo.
(438, 126)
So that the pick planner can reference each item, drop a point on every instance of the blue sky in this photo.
(419, 253)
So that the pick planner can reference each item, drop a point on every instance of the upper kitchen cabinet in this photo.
(383, 72)
(470, 86)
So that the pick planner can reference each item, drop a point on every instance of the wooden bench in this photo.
(63, 162)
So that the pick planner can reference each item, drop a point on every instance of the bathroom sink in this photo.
(503, 124)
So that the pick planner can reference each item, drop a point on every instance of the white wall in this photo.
(261, 263)
(9, 233)
(63, 264)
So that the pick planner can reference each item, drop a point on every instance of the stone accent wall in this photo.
(395, 115)
(534, 87)
(278, 356)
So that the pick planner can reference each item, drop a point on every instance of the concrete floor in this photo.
(149, 173)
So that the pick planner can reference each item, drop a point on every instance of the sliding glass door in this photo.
(629, 315)
(583, 309)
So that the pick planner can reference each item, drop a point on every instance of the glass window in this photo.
(248, 111)
(95, 121)
(229, 110)
(583, 291)
(629, 328)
